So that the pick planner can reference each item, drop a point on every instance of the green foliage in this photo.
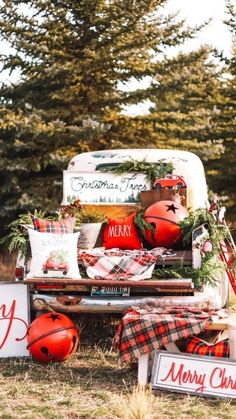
(82, 214)
(60, 255)
(17, 238)
(90, 216)
(208, 274)
(217, 232)
(222, 173)
(211, 266)
(73, 60)
(142, 224)
(151, 170)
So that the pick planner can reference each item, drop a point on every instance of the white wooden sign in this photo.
(103, 188)
(14, 319)
(193, 374)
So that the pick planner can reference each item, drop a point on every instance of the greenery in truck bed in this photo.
(82, 214)
(211, 265)
(17, 239)
(206, 275)
(142, 224)
(151, 170)
(217, 232)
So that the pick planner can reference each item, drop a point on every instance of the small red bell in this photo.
(165, 216)
(52, 337)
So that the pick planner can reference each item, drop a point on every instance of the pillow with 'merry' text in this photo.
(122, 234)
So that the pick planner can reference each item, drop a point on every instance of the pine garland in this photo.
(217, 232)
(18, 239)
(208, 274)
(211, 266)
(151, 170)
(142, 224)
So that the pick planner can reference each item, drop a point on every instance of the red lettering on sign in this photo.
(10, 318)
(185, 376)
(218, 379)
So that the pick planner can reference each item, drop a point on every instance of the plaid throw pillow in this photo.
(58, 227)
(199, 347)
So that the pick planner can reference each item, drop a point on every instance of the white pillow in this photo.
(53, 255)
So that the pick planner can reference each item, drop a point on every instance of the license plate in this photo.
(110, 291)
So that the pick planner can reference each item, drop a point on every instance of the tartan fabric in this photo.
(199, 347)
(140, 333)
(120, 264)
(58, 227)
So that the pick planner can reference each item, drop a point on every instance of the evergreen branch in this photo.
(151, 170)
(217, 232)
(142, 224)
(208, 274)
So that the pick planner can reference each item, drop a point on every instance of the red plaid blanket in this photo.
(140, 333)
(199, 347)
(120, 264)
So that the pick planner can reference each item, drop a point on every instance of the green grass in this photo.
(91, 385)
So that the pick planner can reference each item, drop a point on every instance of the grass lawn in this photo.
(90, 385)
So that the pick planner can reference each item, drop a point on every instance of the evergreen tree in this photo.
(222, 174)
(184, 93)
(72, 58)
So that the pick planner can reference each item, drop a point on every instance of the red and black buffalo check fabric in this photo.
(120, 264)
(199, 347)
(139, 333)
(57, 227)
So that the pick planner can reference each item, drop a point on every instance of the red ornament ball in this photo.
(52, 337)
(165, 216)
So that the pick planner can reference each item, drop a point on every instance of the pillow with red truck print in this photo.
(53, 255)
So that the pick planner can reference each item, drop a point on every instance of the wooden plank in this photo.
(167, 283)
(222, 324)
(143, 369)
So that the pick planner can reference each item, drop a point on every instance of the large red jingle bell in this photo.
(165, 217)
(52, 337)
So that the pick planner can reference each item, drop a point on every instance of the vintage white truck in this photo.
(90, 178)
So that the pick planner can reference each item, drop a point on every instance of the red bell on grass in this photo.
(52, 337)
(165, 216)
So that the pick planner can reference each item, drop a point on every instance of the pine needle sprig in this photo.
(17, 239)
(217, 232)
(142, 224)
(208, 274)
(151, 170)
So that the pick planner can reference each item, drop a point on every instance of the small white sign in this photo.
(103, 188)
(193, 374)
(14, 319)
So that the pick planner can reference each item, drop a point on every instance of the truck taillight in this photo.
(19, 273)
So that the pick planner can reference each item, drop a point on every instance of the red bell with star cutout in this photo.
(52, 337)
(165, 216)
